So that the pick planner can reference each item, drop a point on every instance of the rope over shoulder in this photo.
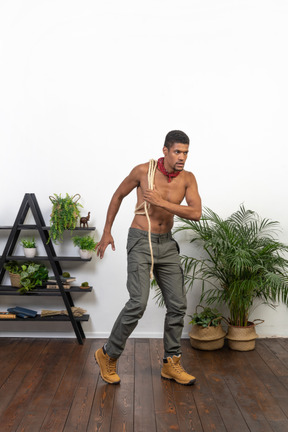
(145, 206)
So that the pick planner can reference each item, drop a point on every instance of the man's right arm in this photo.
(128, 184)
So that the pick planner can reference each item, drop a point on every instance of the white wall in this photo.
(90, 89)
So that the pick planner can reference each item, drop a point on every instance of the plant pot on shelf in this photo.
(86, 245)
(29, 252)
(15, 280)
(242, 338)
(207, 338)
(85, 254)
(64, 216)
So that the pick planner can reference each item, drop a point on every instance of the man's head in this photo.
(175, 136)
(175, 150)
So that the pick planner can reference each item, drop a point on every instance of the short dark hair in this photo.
(176, 136)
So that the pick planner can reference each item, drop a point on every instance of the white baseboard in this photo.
(105, 335)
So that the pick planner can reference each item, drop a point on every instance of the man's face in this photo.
(175, 157)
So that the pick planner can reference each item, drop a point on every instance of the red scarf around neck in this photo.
(164, 171)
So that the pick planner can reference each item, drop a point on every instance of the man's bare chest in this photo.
(173, 191)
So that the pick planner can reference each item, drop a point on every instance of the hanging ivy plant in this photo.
(64, 216)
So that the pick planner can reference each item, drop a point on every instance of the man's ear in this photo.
(165, 151)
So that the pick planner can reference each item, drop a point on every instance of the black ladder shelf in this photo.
(30, 202)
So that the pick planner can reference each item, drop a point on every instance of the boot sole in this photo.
(108, 382)
(178, 382)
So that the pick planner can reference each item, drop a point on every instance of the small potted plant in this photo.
(86, 245)
(14, 270)
(29, 247)
(31, 276)
(26, 276)
(207, 333)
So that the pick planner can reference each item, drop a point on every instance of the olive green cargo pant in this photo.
(169, 276)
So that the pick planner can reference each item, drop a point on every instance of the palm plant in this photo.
(244, 261)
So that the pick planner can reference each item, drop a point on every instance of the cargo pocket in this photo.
(131, 242)
(138, 285)
(133, 282)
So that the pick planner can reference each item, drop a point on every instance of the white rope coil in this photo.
(151, 176)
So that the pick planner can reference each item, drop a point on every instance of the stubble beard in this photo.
(178, 169)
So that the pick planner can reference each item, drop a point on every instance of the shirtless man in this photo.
(172, 185)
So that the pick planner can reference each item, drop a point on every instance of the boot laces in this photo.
(178, 367)
(111, 365)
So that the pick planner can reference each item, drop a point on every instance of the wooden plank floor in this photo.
(54, 385)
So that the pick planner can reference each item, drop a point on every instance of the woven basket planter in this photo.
(207, 338)
(242, 338)
(15, 280)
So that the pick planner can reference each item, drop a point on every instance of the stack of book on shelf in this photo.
(52, 283)
(22, 312)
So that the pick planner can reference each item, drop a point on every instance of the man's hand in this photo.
(152, 196)
(106, 239)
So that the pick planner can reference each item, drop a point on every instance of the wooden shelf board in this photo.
(55, 318)
(46, 228)
(45, 257)
(10, 290)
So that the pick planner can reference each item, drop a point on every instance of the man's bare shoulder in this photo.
(140, 170)
(189, 177)
(143, 166)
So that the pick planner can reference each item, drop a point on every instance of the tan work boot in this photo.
(173, 370)
(107, 367)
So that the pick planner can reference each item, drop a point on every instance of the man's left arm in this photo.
(192, 210)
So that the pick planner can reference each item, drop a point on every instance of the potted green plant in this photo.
(243, 261)
(207, 333)
(64, 216)
(31, 276)
(14, 270)
(26, 276)
(29, 247)
(86, 245)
